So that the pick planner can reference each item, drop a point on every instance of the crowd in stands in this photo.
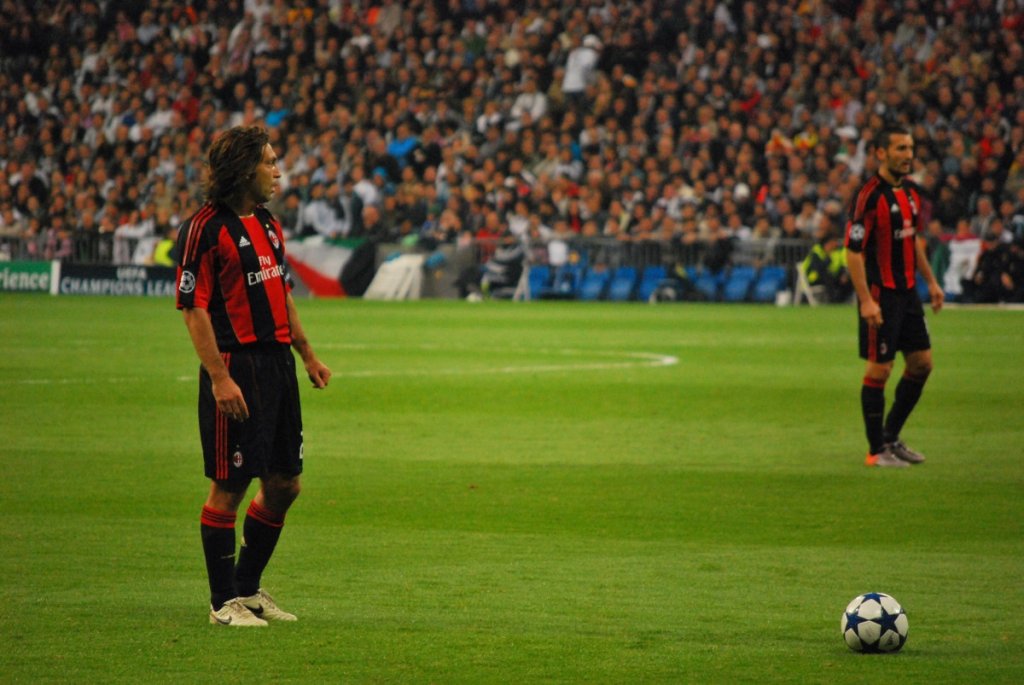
(702, 125)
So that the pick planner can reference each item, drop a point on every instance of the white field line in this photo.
(625, 360)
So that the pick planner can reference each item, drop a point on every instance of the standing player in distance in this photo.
(885, 250)
(233, 289)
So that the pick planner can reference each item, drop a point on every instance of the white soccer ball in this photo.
(873, 623)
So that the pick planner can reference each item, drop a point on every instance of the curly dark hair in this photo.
(232, 159)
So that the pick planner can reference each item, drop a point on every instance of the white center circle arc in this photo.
(616, 360)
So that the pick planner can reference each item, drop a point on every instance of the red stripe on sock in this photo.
(874, 383)
(914, 379)
(217, 519)
(265, 516)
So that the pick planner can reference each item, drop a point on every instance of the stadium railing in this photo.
(585, 255)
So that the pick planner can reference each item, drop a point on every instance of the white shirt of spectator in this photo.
(963, 258)
(321, 216)
(579, 68)
(535, 102)
(367, 192)
(519, 225)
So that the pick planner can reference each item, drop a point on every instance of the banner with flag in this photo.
(331, 268)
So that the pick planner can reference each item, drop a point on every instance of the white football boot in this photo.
(900, 449)
(263, 605)
(234, 613)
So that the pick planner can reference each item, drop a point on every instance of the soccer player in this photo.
(885, 251)
(233, 289)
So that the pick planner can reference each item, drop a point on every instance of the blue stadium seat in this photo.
(567, 281)
(594, 284)
(769, 282)
(623, 284)
(649, 280)
(539, 280)
(738, 284)
(744, 271)
(708, 284)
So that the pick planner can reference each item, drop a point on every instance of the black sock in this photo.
(260, 533)
(217, 529)
(872, 404)
(908, 392)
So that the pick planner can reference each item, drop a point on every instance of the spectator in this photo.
(128, 237)
(13, 229)
(825, 266)
(997, 277)
(530, 106)
(964, 249)
(580, 65)
(318, 216)
(364, 188)
(163, 251)
(499, 274)
(983, 216)
(288, 210)
(1012, 274)
(86, 234)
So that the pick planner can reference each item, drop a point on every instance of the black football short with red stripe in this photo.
(270, 440)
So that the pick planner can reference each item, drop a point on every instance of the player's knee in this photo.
(919, 367)
(920, 371)
(279, 492)
(226, 495)
(879, 373)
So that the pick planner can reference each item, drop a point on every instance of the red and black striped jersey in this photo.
(235, 268)
(884, 223)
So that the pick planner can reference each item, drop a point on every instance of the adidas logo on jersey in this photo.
(244, 242)
(895, 207)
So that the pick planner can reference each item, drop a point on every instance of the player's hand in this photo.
(318, 373)
(871, 312)
(937, 297)
(230, 400)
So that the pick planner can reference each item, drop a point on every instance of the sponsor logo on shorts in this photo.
(187, 283)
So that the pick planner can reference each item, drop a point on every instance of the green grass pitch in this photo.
(518, 493)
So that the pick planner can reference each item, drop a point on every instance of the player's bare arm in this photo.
(869, 309)
(317, 371)
(226, 392)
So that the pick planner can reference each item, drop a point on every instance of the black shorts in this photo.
(903, 328)
(270, 440)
